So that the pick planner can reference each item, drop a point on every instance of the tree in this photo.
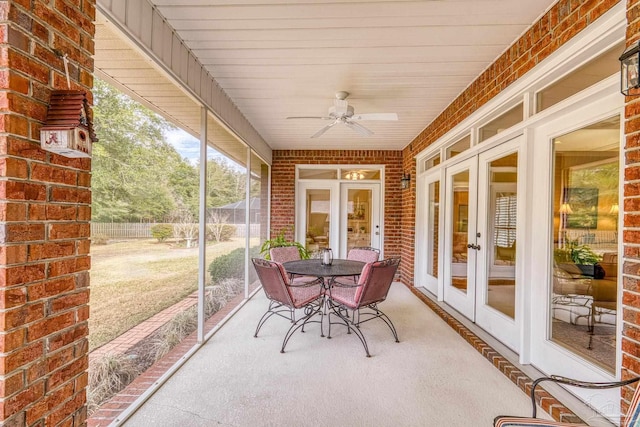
(134, 167)
(216, 224)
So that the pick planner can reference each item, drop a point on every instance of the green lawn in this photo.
(133, 280)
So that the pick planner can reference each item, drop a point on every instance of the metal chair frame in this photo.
(510, 421)
(364, 310)
(283, 304)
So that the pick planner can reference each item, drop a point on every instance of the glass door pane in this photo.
(358, 218)
(501, 223)
(318, 219)
(433, 249)
(460, 221)
(584, 293)
(461, 240)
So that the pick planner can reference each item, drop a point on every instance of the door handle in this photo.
(473, 246)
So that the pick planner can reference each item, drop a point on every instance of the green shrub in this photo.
(162, 231)
(228, 231)
(231, 265)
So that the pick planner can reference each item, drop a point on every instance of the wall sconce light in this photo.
(405, 180)
(629, 63)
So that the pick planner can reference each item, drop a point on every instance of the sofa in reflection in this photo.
(586, 296)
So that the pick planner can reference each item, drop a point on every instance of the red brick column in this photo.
(45, 212)
(630, 235)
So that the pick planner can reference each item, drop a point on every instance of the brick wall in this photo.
(45, 213)
(560, 23)
(283, 187)
(631, 208)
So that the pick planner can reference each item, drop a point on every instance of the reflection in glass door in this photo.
(460, 241)
(317, 219)
(496, 279)
(428, 233)
(501, 226)
(482, 209)
(584, 293)
(360, 217)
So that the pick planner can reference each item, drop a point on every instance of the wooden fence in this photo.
(136, 230)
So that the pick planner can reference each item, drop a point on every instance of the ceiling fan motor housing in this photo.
(341, 110)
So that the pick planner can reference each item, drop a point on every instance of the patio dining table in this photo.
(315, 268)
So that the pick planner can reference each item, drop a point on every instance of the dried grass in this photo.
(108, 375)
(183, 324)
(113, 372)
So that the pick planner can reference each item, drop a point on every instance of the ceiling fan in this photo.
(342, 112)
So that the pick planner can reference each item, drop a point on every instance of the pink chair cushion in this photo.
(284, 254)
(364, 276)
(350, 295)
(364, 255)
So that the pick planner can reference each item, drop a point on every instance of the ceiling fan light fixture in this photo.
(354, 176)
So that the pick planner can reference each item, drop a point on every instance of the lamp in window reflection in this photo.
(565, 209)
(614, 209)
(629, 69)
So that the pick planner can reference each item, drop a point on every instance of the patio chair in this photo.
(286, 297)
(284, 253)
(631, 419)
(365, 254)
(362, 299)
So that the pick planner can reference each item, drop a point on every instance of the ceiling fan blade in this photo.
(358, 128)
(324, 129)
(375, 116)
(311, 117)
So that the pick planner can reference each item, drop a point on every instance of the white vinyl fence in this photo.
(136, 230)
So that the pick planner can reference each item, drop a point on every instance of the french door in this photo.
(428, 243)
(338, 215)
(481, 220)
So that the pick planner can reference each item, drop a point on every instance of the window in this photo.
(506, 120)
(584, 269)
(594, 71)
(458, 147)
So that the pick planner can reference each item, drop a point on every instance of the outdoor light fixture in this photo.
(354, 176)
(629, 63)
(405, 180)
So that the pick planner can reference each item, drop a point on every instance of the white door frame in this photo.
(423, 248)
(376, 231)
(464, 302)
(545, 354)
(338, 212)
(506, 329)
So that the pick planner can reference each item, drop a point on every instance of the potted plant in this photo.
(580, 255)
(280, 241)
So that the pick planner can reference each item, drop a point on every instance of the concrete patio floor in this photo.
(433, 377)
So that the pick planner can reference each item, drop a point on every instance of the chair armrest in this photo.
(338, 283)
(315, 282)
(576, 383)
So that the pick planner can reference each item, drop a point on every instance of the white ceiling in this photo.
(280, 58)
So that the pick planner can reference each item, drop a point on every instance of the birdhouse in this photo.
(68, 130)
